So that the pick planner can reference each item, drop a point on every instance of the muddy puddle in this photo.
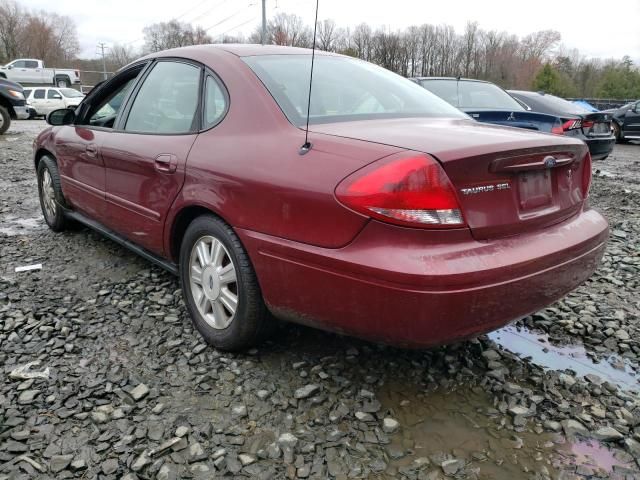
(538, 349)
(461, 424)
(455, 424)
(12, 226)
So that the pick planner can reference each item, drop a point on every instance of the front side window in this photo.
(53, 95)
(38, 93)
(167, 101)
(105, 111)
(215, 103)
(19, 64)
(27, 93)
(470, 94)
(343, 89)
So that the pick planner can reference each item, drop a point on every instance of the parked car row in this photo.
(486, 102)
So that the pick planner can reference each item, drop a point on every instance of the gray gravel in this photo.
(104, 377)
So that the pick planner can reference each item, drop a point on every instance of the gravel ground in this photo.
(103, 375)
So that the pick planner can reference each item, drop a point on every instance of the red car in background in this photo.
(404, 222)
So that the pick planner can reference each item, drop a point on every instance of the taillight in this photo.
(411, 190)
(588, 123)
(571, 125)
(586, 175)
(557, 129)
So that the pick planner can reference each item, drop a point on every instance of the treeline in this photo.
(535, 61)
(36, 34)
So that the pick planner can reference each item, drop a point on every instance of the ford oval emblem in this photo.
(550, 162)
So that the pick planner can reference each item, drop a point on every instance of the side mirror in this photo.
(62, 116)
(9, 67)
(637, 108)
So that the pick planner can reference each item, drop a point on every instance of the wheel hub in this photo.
(211, 284)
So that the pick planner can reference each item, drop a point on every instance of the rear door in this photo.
(33, 71)
(39, 101)
(631, 123)
(145, 157)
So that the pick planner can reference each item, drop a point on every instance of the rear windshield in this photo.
(344, 89)
(552, 104)
(465, 94)
(71, 93)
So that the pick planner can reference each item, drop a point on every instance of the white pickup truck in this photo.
(32, 71)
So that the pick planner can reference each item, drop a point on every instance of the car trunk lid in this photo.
(508, 181)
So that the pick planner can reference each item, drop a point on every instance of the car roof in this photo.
(527, 93)
(462, 79)
(240, 50)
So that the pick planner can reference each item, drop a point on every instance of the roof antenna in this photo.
(306, 146)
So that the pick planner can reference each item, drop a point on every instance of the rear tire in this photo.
(220, 287)
(63, 83)
(5, 120)
(617, 131)
(51, 197)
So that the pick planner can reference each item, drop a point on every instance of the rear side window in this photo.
(215, 103)
(38, 93)
(31, 64)
(167, 101)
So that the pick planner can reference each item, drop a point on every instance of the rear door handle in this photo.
(92, 150)
(166, 163)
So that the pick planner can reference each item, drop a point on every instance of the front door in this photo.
(78, 148)
(54, 100)
(145, 158)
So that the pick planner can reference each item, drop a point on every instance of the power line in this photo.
(207, 12)
(229, 17)
(191, 10)
(240, 25)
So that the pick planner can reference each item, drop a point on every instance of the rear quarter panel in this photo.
(249, 171)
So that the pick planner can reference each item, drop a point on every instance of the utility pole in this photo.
(264, 21)
(102, 46)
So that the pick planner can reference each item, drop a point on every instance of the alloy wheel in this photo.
(48, 195)
(214, 284)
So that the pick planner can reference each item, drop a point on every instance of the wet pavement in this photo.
(552, 396)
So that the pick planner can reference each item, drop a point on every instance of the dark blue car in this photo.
(486, 102)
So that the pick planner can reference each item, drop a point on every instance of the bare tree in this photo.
(327, 35)
(121, 55)
(11, 26)
(173, 34)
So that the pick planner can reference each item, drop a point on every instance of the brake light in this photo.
(557, 129)
(405, 190)
(588, 123)
(586, 175)
(571, 125)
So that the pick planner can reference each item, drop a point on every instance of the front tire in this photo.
(220, 287)
(51, 197)
(5, 120)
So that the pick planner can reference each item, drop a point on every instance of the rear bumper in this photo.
(417, 288)
(600, 148)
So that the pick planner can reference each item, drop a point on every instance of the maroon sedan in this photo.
(404, 221)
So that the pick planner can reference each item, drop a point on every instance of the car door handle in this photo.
(91, 150)
(166, 163)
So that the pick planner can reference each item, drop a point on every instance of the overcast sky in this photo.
(595, 27)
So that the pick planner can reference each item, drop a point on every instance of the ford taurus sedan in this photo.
(401, 220)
